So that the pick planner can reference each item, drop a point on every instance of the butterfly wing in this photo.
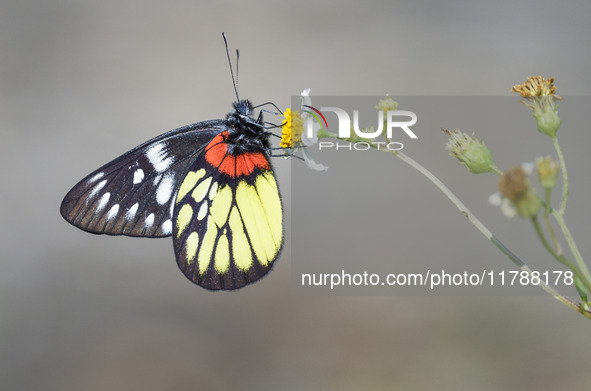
(134, 194)
(227, 221)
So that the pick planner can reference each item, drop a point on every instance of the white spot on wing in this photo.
(138, 176)
(96, 177)
(149, 220)
(96, 189)
(202, 211)
(113, 211)
(164, 190)
(132, 211)
(157, 157)
(213, 190)
(172, 207)
(167, 227)
(103, 201)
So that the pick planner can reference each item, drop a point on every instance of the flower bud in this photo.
(469, 151)
(546, 115)
(547, 172)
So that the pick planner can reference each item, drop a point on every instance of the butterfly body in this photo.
(209, 185)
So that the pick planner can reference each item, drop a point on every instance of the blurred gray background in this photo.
(82, 82)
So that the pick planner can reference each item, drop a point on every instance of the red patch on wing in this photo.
(244, 164)
(216, 150)
(228, 166)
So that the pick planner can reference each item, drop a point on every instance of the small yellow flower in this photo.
(536, 86)
(293, 137)
(547, 171)
(292, 129)
(286, 130)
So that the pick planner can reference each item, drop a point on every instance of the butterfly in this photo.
(209, 185)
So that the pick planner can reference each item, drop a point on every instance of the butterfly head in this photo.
(242, 117)
(243, 108)
(245, 132)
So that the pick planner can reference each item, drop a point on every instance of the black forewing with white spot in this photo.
(134, 194)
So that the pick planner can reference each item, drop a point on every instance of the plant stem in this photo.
(559, 216)
(477, 223)
(547, 221)
(482, 228)
(565, 189)
(560, 257)
(572, 245)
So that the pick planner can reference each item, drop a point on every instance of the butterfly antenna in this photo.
(230, 63)
(237, 68)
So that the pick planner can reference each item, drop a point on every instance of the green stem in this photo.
(565, 189)
(560, 257)
(482, 228)
(477, 223)
(496, 170)
(547, 221)
(572, 245)
(559, 216)
(579, 308)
